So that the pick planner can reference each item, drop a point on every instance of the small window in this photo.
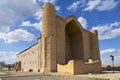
(30, 70)
(38, 70)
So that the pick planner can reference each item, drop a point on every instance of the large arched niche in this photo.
(74, 41)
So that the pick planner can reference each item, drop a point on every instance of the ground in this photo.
(57, 76)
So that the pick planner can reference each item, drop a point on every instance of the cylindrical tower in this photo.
(48, 57)
(48, 20)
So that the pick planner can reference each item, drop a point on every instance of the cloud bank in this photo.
(8, 57)
(100, 5)
(108, 31)
(17, 35)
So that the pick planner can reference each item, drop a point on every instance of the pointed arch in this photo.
(73, 40)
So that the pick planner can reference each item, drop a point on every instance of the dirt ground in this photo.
(56, 76)
(47, 77)
(107, 75)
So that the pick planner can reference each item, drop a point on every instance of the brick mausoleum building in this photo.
(64, 46)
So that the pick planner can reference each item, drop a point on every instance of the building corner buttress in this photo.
(96, 44)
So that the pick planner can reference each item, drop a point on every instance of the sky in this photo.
(20, 24)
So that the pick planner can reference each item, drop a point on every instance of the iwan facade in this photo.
(64, 46)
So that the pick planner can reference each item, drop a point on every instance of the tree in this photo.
(2, 65)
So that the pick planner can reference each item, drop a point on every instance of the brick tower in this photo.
(48, 39)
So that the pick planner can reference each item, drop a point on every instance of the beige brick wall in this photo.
(86, 44)
(60, 40)
(29, 58)
(67, 68)
(81, 67)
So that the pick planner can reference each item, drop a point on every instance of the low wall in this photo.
(79, 67)
(67, 68)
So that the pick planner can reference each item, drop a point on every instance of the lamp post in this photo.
(112, 58)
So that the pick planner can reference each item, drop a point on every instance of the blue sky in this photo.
(20, 24)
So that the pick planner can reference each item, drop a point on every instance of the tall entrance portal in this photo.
(74, 42)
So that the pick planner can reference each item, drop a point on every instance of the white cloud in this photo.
(83, 22)
(36, 25)
(109, 51)
(100, 5)
(8, 57)
(111, 34)
(26, 23)
(101, 28)
(92, 4)
(38, 14)
(57, 8)
(16, 35)
(14, 10)
(4, 29)
(76, 5)
(117, 24)
(108, 31)
(107, 5)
